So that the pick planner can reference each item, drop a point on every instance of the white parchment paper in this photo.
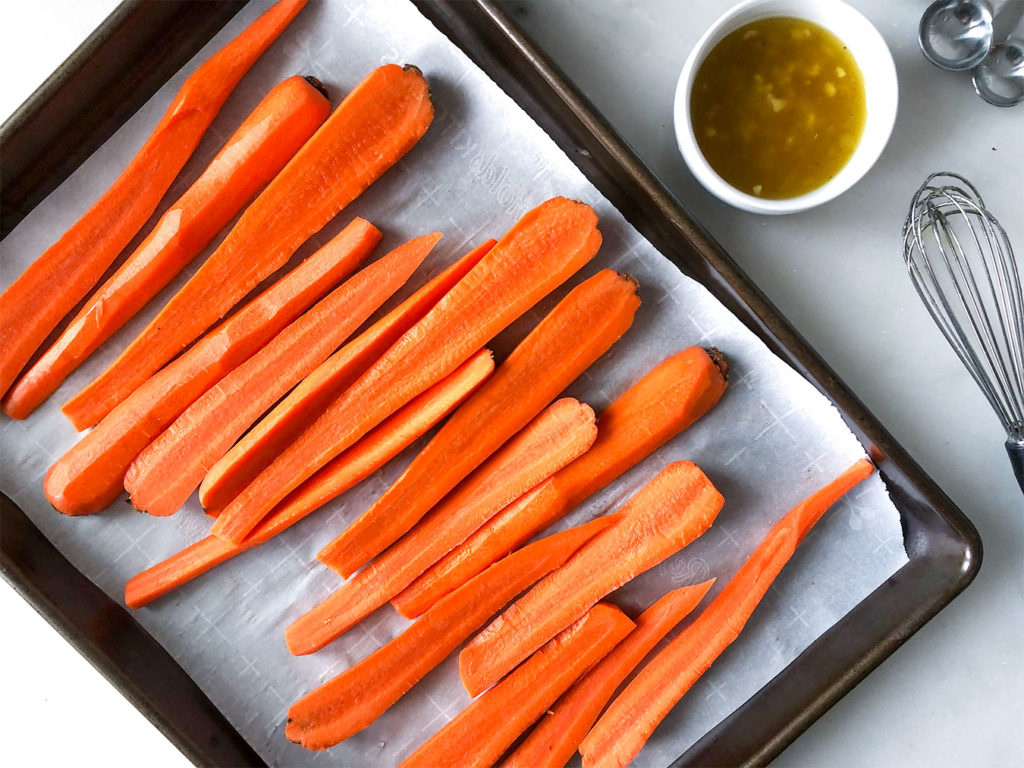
(771, 441)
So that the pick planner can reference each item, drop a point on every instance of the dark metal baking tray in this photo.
(133, 53)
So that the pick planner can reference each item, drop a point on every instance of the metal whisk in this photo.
(963, 267)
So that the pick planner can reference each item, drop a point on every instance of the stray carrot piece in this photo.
(554, 740)
(89, 476)
(539, 253)
(254, 154)
(354, 699)
(479, 734)
(672, 510)
(632, 717)
(264, 442)
(353, 466)
(376, 124)
(560, 434)
(163, 475)
(55, 282)
(668, 399)
(540, 367)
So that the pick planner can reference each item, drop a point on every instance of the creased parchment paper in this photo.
(771, 441)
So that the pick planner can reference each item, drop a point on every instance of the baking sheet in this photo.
(484, 162)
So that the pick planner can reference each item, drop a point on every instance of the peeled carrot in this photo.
(540, 252)
(479, 734)
(351, 467)
(55, 282)
(553, 439)
(254, 154)
(632, 717)
(672, 510)
(264, 442)
(163, 475)
(553, 741)
(350, 702)
(668, 399)
(376, 124)
(89, 476)
(543, 364)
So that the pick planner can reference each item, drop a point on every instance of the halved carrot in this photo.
(163, 475)
(632, 717)
(350, 702)
(672, 510)
(553, 741)
(560, 434)
(254, 154)
(479, 734)
(274, 432)
(540, 367)
(351, 467)
(668, 399)
(376, 124)
(55, 282)
(90, 475)
(540, 252)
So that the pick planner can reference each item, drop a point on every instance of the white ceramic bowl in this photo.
(875, 62)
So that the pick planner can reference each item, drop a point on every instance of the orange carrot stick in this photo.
(479, 734)
(350, 702)
(55, 282)
(556, 437)
(553, 741)
(543, 364)
(672, 510)
(668, 399)
(353, 466)
(89, 476)
(371, 129)
(540, 252)
(163, 475)
(634, 714)
(254, 154)
(275, 432)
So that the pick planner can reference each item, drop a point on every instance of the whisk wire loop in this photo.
(964, 269)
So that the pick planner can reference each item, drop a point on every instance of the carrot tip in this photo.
(719, 360)
(318, 84)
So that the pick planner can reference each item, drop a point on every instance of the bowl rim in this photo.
(877, 129)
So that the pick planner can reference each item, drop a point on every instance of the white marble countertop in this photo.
(952, 695)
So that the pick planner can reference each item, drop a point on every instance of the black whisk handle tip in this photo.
(1015, 449)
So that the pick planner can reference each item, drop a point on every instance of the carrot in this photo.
(163, 475)
(668, 399)
(553, 741)
(55, 282)
(540, 252)
(479, 734)
(353, 466)
(543, 364)
(261, 146)
(556, 437)
(371, 129)
(632, 717)
(89, 476)
(350, 702)
(672, 510)
(282, 425)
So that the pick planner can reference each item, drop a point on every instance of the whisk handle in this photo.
(1015, 449)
